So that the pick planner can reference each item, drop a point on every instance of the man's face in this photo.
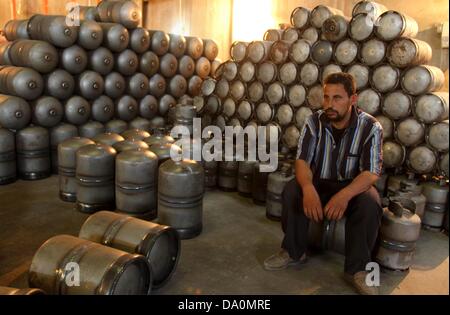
(336, 103)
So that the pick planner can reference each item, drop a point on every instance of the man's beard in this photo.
(335, 118)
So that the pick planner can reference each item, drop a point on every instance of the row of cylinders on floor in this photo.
(113, 254)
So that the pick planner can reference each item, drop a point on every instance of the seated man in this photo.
(339, 158)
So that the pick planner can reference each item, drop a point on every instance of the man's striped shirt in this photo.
(360, 148)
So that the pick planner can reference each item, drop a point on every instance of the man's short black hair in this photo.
(346, 79)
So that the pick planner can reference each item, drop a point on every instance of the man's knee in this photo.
(367, 204)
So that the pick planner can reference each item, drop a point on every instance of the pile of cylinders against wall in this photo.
(105, 74)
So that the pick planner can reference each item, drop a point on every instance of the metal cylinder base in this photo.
(273, 218)
(34, 176)
(92, 208)
(246, 195)
(259, 202)
(7, 180)
(226, 189)
(67, 197)
(190, 233)
(431, 228)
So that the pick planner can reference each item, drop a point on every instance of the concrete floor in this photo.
(227, 258)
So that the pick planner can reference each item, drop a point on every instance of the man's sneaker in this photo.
(358, 281)
(282, 260)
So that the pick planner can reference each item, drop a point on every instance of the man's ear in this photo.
(354, 99)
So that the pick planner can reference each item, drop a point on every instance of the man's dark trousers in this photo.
(363, 215)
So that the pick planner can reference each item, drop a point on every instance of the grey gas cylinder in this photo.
(194, 47)
(422, 79)
(148, 63)
(140, 123)
(407, 52)
(138, 85)
(135, 134)
(410, 132)
(101, 60)
(159, 244)
(394, 154)
(8, 173)
(74, 59)
(95, 178)
(52, 29)
(372, 52)
(126, 108)
(180, 197)
(148, 107)
(238, 51)
(275, 185)
(38, 55)
(299, 51)
(361, 27)
(136, 182)
(126, 62)
(400, 229)
(33, 153)
(115, 37)
(392, 24)
(116, 126)
(296, 95)
(335, 28)
(321, 13)
(385, 78)
(245, 177)
(16, 29)
(431, 107)
(177, 45)
(115, 85)
(59, 84)
(66, 167)
(91, 129)
(90, 35)
(59, 134)
(361, 73)
(47, 111)
(300, 17)
(103, 270)
(15, 113)
(77, 110)
(139, 40)
(397, 105)
(102, 109)
(21, 82)
(126, 13)
(90, 85)
(186, 66)
(108, 138)
(157, 85)
(422, 160)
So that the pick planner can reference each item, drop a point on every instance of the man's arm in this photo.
(360, 184)
(312, 205)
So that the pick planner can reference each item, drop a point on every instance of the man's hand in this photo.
(335, 208)
(312, 205)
